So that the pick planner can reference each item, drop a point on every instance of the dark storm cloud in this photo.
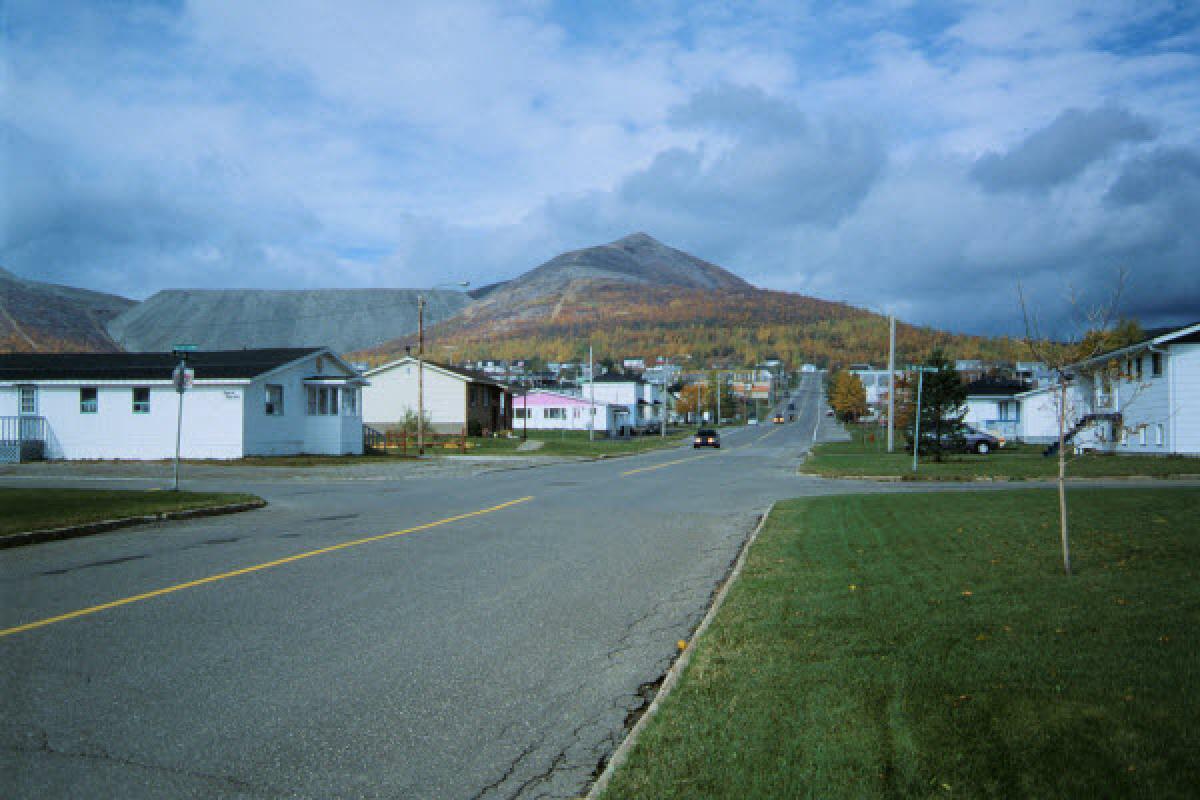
(1060, 151)
(1167, 170)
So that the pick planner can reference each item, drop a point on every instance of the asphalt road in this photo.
(460, 632)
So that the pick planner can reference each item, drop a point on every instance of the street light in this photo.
(421, 361)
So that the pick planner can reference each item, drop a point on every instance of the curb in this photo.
(622, 752)
(103, 526)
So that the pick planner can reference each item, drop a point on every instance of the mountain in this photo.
(637, 297)
(637, 261)
(37, 316)
(229, 319)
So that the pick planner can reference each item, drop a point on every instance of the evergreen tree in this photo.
(943, 406)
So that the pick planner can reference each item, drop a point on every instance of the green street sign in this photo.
(183, 348)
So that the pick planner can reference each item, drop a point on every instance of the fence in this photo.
(401, 442)
(22, 438)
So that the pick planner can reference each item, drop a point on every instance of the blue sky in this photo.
(915, 158)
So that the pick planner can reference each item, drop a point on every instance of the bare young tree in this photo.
(1091, 334)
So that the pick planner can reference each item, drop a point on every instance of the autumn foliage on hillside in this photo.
(688, 325)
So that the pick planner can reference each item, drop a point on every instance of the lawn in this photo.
(866, 455)
(928, 645)
(34, 509)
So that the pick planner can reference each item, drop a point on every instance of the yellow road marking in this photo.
(83, 612)
(665, 464)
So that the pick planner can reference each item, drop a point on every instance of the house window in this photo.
(274, 400)
(350, 402)
(322, 401)
(88, 400)
(28, 402)
(555, 413)
(1156, 364)
(1142, 435)
(1138, 367)
(575, 413)
(1159, 436)
(519, 413)
(141, 400)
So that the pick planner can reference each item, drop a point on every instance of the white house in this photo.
(543, 410)
(124, 405)
(454, 399)
(635, 402)
(993, 406)
(1144, 398)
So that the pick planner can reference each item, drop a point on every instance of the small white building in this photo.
(278, 401)
(1144, 398)
(454, 399)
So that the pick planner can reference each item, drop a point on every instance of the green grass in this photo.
(34, 509)
(928, 645)
(864, 457)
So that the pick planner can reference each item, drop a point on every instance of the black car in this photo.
(706, 438)
(973, 441)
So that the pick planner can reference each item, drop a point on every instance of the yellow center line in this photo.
(83, 612)
(665, 464)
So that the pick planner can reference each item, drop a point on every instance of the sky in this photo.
(922, 159)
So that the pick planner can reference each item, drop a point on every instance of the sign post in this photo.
(917, 419)
(183, 377)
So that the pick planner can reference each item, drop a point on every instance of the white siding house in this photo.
(542, 410)
(454, 399)
(1144, 398)
(124, 405)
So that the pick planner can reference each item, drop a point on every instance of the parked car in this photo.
(973, 441)
(752, 421)
(706, 437)
(777, 419)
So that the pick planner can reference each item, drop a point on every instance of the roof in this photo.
(1187, 334)
(469, 374)
(616, 377)
(996, 387)
(209, 364)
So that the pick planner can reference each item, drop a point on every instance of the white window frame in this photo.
(1160, 438)
(322, 401)
(273, 407)
(349, 401)
(84, 406)
(133, 395)
(27, 401)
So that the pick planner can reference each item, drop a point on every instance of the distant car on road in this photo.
(752, 421)
(777, 419)
(706, 437)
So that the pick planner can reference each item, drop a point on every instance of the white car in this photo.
(752, 421)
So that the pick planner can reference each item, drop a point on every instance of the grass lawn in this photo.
(34, 509)
(928, 645)
(862, 456)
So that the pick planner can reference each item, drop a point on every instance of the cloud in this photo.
(1060, 151)
(828, 151)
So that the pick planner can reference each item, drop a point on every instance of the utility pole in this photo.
(420, 375)
(592, 398)
(718, 387)
(182, 379)
(892, 383)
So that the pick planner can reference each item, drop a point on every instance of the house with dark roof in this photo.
(993, 406)
(277, 401)
(455, 399)
(637, 405)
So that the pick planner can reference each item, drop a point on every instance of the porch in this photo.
(22, 438)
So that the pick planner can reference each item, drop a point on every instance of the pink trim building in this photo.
(555, 411)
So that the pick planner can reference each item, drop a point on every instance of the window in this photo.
(554, 413)
(1156, 364)
(88, 401)
(28, 401)
(141, 400)
(322, 401)
(519, 413)
(575, 413)
(1142, 435)
(274, 400)
(1159, 437)
(1138, 367)
(349, 402)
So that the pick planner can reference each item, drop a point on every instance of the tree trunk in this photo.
(1062, 478)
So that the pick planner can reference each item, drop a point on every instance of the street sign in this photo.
(183, 348)
(183, 378)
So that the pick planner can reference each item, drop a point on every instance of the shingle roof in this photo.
(996, 387)
(208, 364)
